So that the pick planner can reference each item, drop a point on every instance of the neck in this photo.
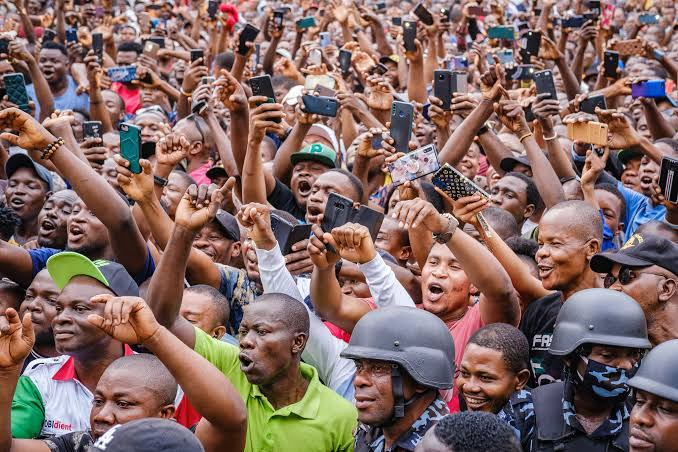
(454, 315)
(91, 364)
(58, 87)
(662, 324)
(196, 162)
(587, 405)
(287, 389)
(105, 253)
(588, 280)
(28, 228)
(45, 350)
(412, 413)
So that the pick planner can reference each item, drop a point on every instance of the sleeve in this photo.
(384, 286)
(223, 356)
(608, 235)
(28, 410)
(149, 268)
(322, 350)
(282, 198)
(39, 258)
(634, 201)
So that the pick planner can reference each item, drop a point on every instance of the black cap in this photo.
(148, 435)
(508, 163)
(216, 171)
(229, 224)
(21, 160)
(640, 251)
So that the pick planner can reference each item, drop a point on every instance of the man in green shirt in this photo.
(288, 409)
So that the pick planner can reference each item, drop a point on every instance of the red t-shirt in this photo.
(131, 97)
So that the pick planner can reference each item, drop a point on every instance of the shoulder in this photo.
(43, 253)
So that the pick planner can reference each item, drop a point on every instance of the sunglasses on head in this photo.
(625, 276)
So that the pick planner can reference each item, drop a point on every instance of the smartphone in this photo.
(423, 14)
(92, 129)
(324, 39)
(459, 63)
(15, 90)
(197, 54)
(445, 14)
(320, 105)
(158, 40)
(345, 61)
(306, 22)
(315, 57)
(48, 35)
(409, 35)
(502, 32)
(611, 63)
(287, 234)
(590, 103)
(257, 58)
(370, 218)
(442, 87)
(98, 45)
(380, 69)
(212, 9)
(629, 47)
(130, 145)
(473, 29)
(414, 165)
(456, 185)
(322, 90)
(248, 34)
(380, 6)
(278, 18)
(544, 83)
(397, 21)
(71, 35)
(647, 19)
(122, 74)
(668, 178)
(312, 82)
(4, 46)
(588, 132)
(532, 42)
(520, 72)
(572, 22)
(338, 211)
(476, 11)
(402, 116)
(151, 49)
(505, 56)
(459, 82)
(649, 88)
(262, 86)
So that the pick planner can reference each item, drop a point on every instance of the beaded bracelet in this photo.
(51, 149)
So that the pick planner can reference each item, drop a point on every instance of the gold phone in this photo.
(588, 132)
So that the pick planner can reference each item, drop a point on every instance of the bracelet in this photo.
(184, 93)
(482, 130)
(555, 135)
(51, 149)
(452, 225)
(157, 180)
(527, 135)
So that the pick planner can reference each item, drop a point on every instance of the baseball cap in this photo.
(64, 266)
(229, 224)
(293, 95)
(21, 160)
(148, 435)
(216, 171)
(625, 155)
(640, 251)
(315, 152)
(508, 163)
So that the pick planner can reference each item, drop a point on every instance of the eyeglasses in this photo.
(625, 276)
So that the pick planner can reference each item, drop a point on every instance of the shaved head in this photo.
(578, 217)
(291, 312)
(148, 371)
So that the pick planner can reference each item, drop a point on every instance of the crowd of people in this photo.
(338, 225)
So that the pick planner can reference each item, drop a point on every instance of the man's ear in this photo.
(218, 332)
(195, 148)
(667, 290)
(236, 249)
(167, 412)
(620, 228)
(522, 378)
(405, 253)
(529, 211)
(299, 343)
(592, 248)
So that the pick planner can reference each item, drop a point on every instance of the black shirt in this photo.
(70, 442)
(537, 324)
(282, 198)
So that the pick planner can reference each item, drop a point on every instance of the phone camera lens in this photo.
(401, 114)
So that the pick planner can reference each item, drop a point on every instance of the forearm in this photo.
(29, 31)
(383, 47)
(253, 180)
(361, 170)
(570, 81)
(385, 288)
(545, 178)
(495, 150)
(223, 145)
(442, 135)
(590, 195)
(269, 56)
(650, 150)
(282, 164)
(542, 21)
(42, 91)
(416, 84)
(196, 28)
(326, 295)
(659, 127)
(431, 62)
(183, 106)
(558, 158)
(239, 66)
(424, 240)
(349, 128)
(578, 61)
(98, 110)
(462, 137)
(169, 90)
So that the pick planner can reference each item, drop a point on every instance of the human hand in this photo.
(262, 117)
(352, 242)
(365, 149)
(194, 73)
(27, 132)
(419, 212)
(16, 339)
(462, 105)
(466, 209)
(18, 50)
(439, 117)
(256, 218)
(621, 135)
(321, 257)
(549, 50)
(492, 80)
(60, 122)
(512, 115)
(171, 149)
(126, 319)
(230, 92)
(595, 164)
(302, 116)
(95, 153)
(379, 93)
(138, 187)
(417, 55)
(544, 108)
(199, 206)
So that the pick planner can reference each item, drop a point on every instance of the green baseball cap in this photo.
(316, 152)
(64, 266)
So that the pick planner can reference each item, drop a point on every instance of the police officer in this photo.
(654, 419)
(600, 335)
(403, 356)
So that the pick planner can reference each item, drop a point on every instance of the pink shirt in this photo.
(132, 97)
(199, 175)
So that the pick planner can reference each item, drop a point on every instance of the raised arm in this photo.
(42, 90)
(544, 110)
(232, 95)
(282, 163)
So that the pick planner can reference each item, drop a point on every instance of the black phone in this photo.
(48, 35)
(668, 178)
(473, 29)
(397, 21)
(92, 129)
(445, 13)
(158, 40)
(573, 22)
(380, 69)
(338, 212)
(345, 61)
(15, 90)
(71, 35)
(544, 83)
(402, 116)
(532, 42)
(320, 105)
(4, 46)
(196, 54)
(520, 72)
(409, 35)
(590, 103)
(287, 234)
(423, 14)
(370, 218)
(98, 45)
(262, 86)
(442, 87)
(278, 18)
(611, 63)
(212, 9)
(248, 34)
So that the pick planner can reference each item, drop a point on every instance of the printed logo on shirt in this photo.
(541, 341)
(57, 425)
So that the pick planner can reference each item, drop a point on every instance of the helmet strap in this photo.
(399, 397)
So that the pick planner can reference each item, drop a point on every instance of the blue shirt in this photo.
(67, 101)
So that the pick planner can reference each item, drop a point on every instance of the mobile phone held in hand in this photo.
(629, 47)
(315, 57)
(611, 63)
(505, 56)
(262, 86)
(473, 28)
(409, 35)
(520, 72)
(572, 22)
(324, 39)
(668, 178)
(588, 132)
(402, 116)
(248, 34)
(414, 165)
(306, 22)
(648, 19)
(212, 9)
(423, 14)
(320, 105)
(532, 42)
(98, 45)
(338, 212)
(196, 54)
(71, 35)
(544, 83)
(92, 129)
(397, 21)
(589, 104)
(122, 74)
(345, 61)
(459, 82)
(456, 185)
(278, 18)
(287, 233)
(370, 218)
(476, 11)
(48, 35)
(15, 90)
(442, 87)
(130, 145)
(649, 88)
(502, 32)
(158, 40)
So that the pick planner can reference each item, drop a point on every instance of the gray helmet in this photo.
(415, 339)
(658, 372)
(599, 316)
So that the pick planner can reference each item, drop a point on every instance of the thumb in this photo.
(230, 184)
(28, 326)
(10, 137)
(146, 166)
(260, 221)
(96, 320)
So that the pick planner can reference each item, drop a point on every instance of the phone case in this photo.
(158, 40)
(249, 34)
(338, 212)
(71, 35)
(306, 22)
(455, 184)
(92, 129)
(588, 132)
(501, 32)
(48, 35)
(423, 14)
(130, 145)
(345, 61)
(287, 234)
(611, 63)
(590, 103)
(647, 19)
(320, 105)
(397, 21)
(442, 87)
(473, 29)
(212, 8)
(668, 178)
(98, 45)
(409, 35)
(629, 47)
(197, 53)
(151, 49)
(402, 115)
(370, 218)
(544, 83)
(15, 89)
(324, 39)
(459, 82)
(649, 88)
(414, 165)
(122, 74)
(532, 42)
(572, 22)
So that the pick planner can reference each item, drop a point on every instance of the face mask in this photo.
(605, 381)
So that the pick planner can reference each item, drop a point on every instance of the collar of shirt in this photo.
(372, 438)
(67, 370)
(610, 426)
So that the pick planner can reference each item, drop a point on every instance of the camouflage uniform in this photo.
(371, 439)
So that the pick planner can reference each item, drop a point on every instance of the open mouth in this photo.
(47, 225)
(646, 180)
(544, 270)
(475, 402)
(17, 203)
(75, 232)
(246, 364)
(304, 188)
(313, 211)
(435, 291)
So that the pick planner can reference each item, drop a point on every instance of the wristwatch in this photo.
(446, 236)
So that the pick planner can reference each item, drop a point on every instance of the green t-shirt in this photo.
(321, 421)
